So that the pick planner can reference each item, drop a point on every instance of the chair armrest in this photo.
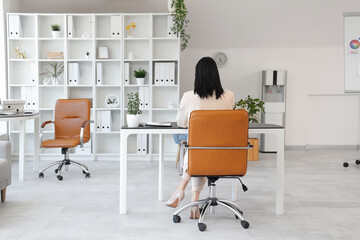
(42, 129)
(82, 131)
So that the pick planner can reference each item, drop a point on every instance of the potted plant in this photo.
(253, 106)
(140, 75)
(55, 30)
(55, 72)
(180, 22)
(133, 115)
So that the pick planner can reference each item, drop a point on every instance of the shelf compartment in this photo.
(105, 143)
(107, 29)
(81, 24)
(114, 48)
(48, 97)
(28, 25)
(142, 22)
(83, 92)
(170, 147)
(81, 49)
(45, 22)
(162, 97)
(165, 49)
(140, 49)
(101, 94)
(25, 46)
(50, 46)
(114, 121)
(85, 73)
(160, 26)
(43, 67)
(111, 73)
(136, 66)
(23, 73)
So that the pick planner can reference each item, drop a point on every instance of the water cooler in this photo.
(273, 93)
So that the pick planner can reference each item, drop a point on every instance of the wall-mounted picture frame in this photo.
(103, 52)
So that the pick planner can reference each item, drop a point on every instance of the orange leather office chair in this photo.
(71, 129)
(218, 144)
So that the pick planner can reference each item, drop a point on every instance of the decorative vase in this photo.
(133, 120)
(55, 34)
(131, 55)
(140, 81)
(171, 9)
(55, 81)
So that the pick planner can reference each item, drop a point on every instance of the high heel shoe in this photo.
(195, 212)
(175, 199)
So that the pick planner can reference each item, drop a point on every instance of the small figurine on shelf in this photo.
(19, 54)
(129, 29)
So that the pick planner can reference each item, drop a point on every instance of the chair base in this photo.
(208, 204)
(66, 162)
(346, 164)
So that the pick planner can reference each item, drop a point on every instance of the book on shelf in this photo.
(54, 55)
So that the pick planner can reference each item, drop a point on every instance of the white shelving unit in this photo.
(149, 43)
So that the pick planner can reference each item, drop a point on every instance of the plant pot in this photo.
(171, 9)
(133, 120)
(140, 81)
(55, 81)
(55, 34)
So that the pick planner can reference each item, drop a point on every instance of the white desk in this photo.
(22, 118)
(253, 129)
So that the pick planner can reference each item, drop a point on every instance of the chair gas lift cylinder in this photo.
(273, 93)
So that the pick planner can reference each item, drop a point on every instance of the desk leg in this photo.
(161, 167)
(36, 145)
(22, 150)
(123, 172)
(280, 173)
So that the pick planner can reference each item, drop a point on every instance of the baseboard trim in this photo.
(332, 147)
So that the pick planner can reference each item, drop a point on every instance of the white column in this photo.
(161, 167)
(22, 150)
(36, 145)
(280, 172)
(123, 171)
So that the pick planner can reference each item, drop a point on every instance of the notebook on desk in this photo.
(158, 124)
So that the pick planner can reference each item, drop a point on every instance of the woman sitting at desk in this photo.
(207, 95)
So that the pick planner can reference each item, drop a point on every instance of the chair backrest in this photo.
(218, 128)
(69, 115)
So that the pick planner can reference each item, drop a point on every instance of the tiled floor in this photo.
(322, 201)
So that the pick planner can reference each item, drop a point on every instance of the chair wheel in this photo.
(345, 164)
(84, 172)
(59, 177)
(236, 216)
(357, 162)
(87, 175)
(202, 226)
(176, 218)
(56, 170)
(245, 224)
(41, 175)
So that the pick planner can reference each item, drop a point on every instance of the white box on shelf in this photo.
(139, 143)
(115, 26)
(33, 74)
(146, 98)
(126, 74)
(71, 27)
(170, 24)
(157, 74)
(99, 74)
(144, 143)
(74, 74)
(106, 121)
(98, 121)
(172, 73)
(15, 28)
(14, 105)
(162, 74)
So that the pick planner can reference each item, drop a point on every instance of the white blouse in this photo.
(190, 102)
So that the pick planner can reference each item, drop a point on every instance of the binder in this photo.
(71, 27)
(162, 74)
(99, 74)
(141, 97)
(166, 74)
(11, 26)
(16, 26)
(34, 98)
(147, 98)
(98, 121)
(33, 74)
(144, 143)
(170, 23)
(126, 74)
(30, 98)
(157, 74)
(172, 73)
(115, 26)
(106, 121)
(73, 74)
(23, 96)
(139, 143)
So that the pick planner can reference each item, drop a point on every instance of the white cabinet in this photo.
(148, 46)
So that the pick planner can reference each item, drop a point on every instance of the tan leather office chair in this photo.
(71, 129)
(217, 145)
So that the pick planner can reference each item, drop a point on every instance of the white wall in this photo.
(302, 36)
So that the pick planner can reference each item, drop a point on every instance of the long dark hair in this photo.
(207, 79)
